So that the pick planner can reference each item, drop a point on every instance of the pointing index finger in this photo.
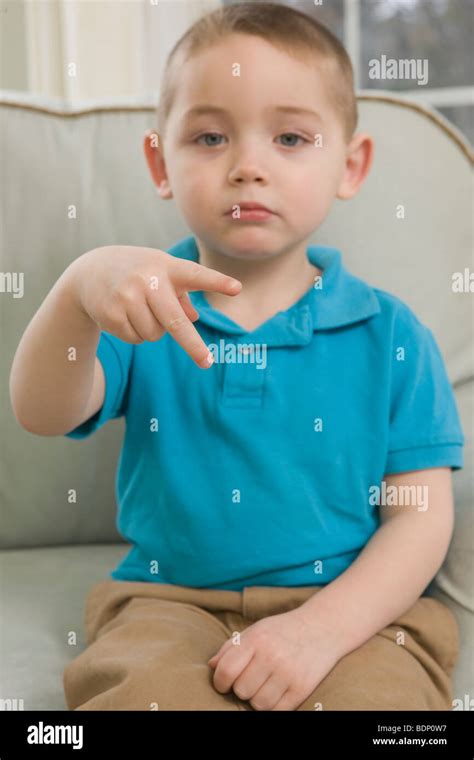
(193, 276)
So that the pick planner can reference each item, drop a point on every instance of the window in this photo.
(438, 32)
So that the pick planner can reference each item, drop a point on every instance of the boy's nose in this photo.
(247, 172)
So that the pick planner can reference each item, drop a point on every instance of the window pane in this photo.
(330, 12)
(463, 118)
(438, 31)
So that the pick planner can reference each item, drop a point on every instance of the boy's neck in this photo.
(268, 286)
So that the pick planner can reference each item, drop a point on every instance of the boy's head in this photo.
(254, 62)
(293, 32)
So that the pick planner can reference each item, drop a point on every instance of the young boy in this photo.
(288, 507)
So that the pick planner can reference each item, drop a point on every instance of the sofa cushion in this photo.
(42, 596)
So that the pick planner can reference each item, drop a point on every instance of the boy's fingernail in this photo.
(207, 361)
(234, 284)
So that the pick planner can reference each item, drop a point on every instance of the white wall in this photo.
(88, 49)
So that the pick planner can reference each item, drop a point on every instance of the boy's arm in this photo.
(275, 668)
(50, 392)
(395, 566)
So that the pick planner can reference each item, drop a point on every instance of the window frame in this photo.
(436, 96)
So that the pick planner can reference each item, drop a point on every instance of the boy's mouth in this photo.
(250, 206)
(250, 211)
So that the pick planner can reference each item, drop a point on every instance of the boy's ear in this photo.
(359, 157)
(156, 163)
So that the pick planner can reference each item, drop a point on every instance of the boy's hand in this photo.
(280, 660)
(138, 294)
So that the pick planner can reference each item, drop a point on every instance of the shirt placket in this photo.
(243, 380)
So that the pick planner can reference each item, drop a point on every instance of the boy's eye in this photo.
(216, 135)
(208, 134)
(293, 134)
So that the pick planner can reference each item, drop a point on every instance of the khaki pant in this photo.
(148, 646)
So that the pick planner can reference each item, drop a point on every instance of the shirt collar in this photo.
(341, 299)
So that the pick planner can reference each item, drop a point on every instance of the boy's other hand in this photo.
(279, 661)
(138, 294)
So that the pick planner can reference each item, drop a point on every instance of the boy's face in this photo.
(257, 153)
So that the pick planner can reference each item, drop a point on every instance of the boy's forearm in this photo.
(48, 388)
(385, 580)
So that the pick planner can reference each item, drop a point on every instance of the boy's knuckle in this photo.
(115, 322)
(127, 295)
(153, 334)
(176, 323)
(129, 335)
(261, 640)
(137, 279)
(194, 270)
(157, 333)
(241, 693)
(225, 672)
(279, 656)
(258, 704)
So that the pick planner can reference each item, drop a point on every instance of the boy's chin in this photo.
(249, 246)
(249, 254)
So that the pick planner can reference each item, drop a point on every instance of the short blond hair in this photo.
(288, 29)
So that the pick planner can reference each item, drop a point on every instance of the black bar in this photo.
(314, 734)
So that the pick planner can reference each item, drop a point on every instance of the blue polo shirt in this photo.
(262, 469)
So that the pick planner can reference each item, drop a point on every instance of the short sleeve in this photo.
(425, 429)
(115, 356)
